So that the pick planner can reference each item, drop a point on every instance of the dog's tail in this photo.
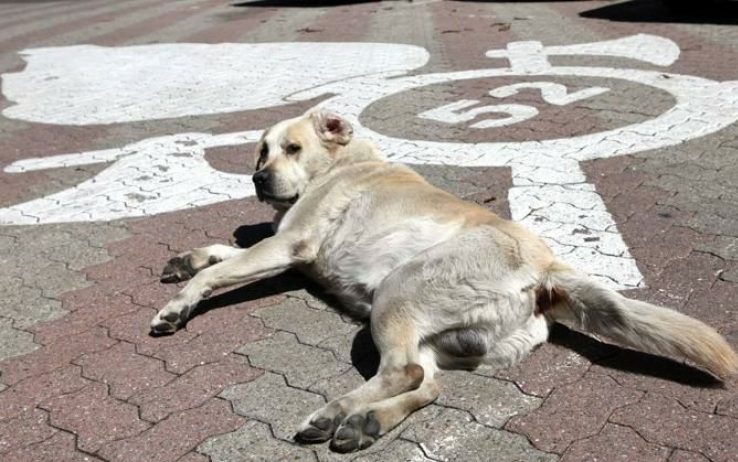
(583, 303)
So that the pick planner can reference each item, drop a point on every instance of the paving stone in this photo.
(29, 428)
(395, 451)
(53, 278)
(491, 401)
(193, 388)
(664, 421)
(60, 447)
(172, 438)
(453, 435)
(686, 456)
(26, 305)
(725, 247)
(253, 442)
(333, 387)
(125, 371)
(219, 340)
(730, 275)
(269, 399)
(357, 348)
(83, 318)
(691, 387)
(552, 364)
(572, 412)
(194, 457)
(14, 342)
(25, 395)
(94, 417)
(311, 326)
(54, 355)
(615, 443)
(134, 328)
(303, 365)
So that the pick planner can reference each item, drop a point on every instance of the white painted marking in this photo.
(552, 93)
(450, 114)
(89, 84)
(153, 176)
(71, 85)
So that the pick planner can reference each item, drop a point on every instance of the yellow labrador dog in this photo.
(445, 283)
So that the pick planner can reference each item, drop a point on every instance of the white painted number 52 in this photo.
(552, 93)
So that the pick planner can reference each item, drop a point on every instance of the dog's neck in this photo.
(359, 150)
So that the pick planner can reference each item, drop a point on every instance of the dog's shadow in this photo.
(365, 357)
(635, 362)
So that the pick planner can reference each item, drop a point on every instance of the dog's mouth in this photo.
(274, 200)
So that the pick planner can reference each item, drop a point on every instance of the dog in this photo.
(445, 283)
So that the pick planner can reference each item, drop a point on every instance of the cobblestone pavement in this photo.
(81, 379)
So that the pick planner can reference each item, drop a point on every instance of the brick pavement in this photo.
(81, 379)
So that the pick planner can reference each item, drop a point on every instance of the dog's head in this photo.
(294, 151)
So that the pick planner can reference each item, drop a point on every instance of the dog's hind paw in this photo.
(319, 430)
(356, 432)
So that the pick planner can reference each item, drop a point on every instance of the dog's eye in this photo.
(292, 148)
(264, 152)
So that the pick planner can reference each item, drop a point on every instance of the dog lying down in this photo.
(445, 283)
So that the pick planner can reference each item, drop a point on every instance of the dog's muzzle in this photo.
(263, 185)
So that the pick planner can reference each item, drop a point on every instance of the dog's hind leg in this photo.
(516, 346)
(400, 371)
(365, 425)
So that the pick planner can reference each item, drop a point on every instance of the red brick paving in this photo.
(616, 443)
(174, 437)
(572, 412)
(115, 365)
(663, 420)
(94, 416)
(29, 428)
(194, 387)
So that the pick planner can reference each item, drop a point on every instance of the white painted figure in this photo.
(550, 194)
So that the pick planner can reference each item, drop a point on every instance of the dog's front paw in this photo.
(177, 269)
(358, 431)
(165, 323)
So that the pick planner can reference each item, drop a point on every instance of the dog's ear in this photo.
(332, 127)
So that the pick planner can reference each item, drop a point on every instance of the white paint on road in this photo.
(89, 84)
(550, 194)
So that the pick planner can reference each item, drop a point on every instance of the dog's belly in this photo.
(355, 259)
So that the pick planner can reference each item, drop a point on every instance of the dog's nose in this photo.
(260, 178)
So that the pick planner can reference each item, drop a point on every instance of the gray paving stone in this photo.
(491, 401)
(303, 365)
(14, 342)
(342, 345)
(730, 275)
(269, 399)
(724, 247)
(397, 450)
(2, 387)
(253, 442)
(310, 325)
(333, 387)
(454, 436)
(26, 305)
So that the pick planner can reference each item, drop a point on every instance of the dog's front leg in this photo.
(267, 258)
(187, 264)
